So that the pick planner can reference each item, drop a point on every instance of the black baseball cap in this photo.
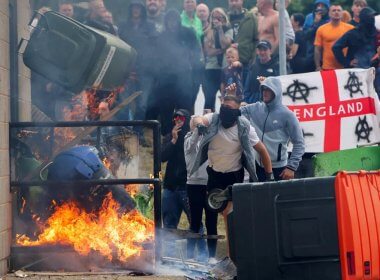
(264, 44)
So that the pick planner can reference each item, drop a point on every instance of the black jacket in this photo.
(142, 37)
(269, 69)
(178, 50)
(175, 173)
(358, 47)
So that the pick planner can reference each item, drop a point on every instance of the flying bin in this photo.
(77, 56)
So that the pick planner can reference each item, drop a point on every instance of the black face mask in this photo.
(228, 116)
(367, 26)
(368, 21)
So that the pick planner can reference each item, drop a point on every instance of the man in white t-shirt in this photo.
(228, 139)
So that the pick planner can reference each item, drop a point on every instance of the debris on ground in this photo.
(21, 274)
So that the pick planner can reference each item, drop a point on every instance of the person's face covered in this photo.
(136, 11)
(229, 113)
(369, 21)
(321, 9)
(179, 120)
(367, 18)
(173, 24)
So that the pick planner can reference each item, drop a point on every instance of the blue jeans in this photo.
(173, 203)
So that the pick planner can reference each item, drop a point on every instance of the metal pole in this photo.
(157, 191)
(282, 43)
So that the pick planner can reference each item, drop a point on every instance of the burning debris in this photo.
(89, 222)
(114, 235)
(91, 219)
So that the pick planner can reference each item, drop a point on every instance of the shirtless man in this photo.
(268, 23)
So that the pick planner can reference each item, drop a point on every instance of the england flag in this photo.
(337, 109)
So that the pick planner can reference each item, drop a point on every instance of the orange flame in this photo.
(77, 112)
(113, 235)
(84, 106)
(107, 163)
(23, 205)
(132, 189)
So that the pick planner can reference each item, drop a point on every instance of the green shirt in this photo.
(194, 23)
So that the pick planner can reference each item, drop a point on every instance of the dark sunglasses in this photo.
(179, 118)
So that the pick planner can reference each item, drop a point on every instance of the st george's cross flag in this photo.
(337, 109)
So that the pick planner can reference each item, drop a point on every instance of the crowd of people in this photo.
(179, 51)
(233, 51)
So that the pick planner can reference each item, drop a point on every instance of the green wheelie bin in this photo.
(77, 56)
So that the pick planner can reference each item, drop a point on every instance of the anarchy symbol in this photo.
(298, 90)
(353, 84)
(362, 129)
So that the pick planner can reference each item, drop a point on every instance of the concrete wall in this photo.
(24, 109)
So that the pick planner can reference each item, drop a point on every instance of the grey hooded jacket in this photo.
(275, 125)
(248, 156)
(191, 147)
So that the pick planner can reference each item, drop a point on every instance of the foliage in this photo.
(144, 203)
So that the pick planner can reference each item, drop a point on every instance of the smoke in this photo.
(62, 258)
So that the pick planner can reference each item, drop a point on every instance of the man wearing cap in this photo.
(268, 23)
(275, 125)
(264, 66)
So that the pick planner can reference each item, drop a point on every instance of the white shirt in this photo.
(225, 150)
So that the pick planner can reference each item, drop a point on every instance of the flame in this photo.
(84, 106)
(132, 189)
(113, 235)
(76, 112)
(23, 204)
(107, 163)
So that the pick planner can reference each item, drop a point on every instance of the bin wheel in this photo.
(216, 202)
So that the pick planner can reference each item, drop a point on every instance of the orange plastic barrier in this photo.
(358, 216)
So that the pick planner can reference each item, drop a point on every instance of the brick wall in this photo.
(5, 197)
(24, 101)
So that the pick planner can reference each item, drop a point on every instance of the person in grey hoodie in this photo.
(275, 125)
(197, 192)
